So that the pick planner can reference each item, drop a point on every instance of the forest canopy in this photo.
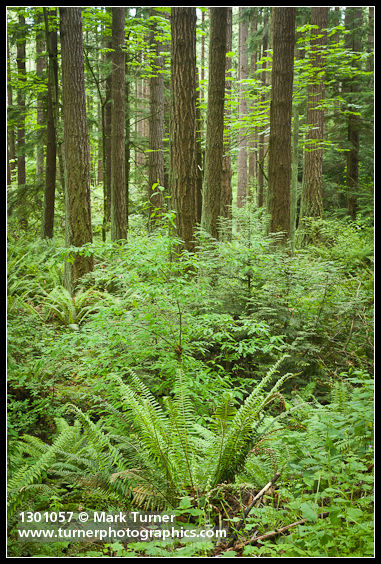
(190, 260)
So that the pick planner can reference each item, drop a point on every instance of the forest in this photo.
(190, 281)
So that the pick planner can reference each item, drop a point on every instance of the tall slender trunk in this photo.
(280, 120)
(252, 137)
(118, 168)
(242, 142)
(41, 99)
(226, 183)
(51, 124)
(183, 148)
(156, 131)
(107, 148)
(215, 121)
(353, 21)
(76, 142)
(262, 137)
(312, 191)
(11, 154)
(21, 94)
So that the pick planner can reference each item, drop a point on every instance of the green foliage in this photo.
(168, 363)
(329, 456)
(166, 456)
(71, 310)
(22, 480)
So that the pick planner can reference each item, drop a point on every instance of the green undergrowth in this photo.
(180, 347)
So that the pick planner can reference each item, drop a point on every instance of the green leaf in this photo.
(309, 511)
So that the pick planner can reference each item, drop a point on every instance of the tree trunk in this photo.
(127, 141)
(183, 150)
(21, 109)
(353, 21)
(294, 174)
(242, 142)
(10, 129)
(252, 137)
(312, 190)
(279, 173)
(262, 137)
(118, 170)
(215, 121)
(156, 131)
(107, 148)
(76, 142)
(51, 123)
(41, 98)
(226, 183)
(199, 139)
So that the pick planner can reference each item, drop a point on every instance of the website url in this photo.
(128, 534)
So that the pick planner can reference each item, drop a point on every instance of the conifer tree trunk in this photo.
(199, 139)
(312, 190)
(279, 172)
(215, 121)
(243, 74)
(252, 138)
(156, 129)
(227, 196)
(76, 142)
(41, 98)
(51, 123)
(262, 137)
(21, 108)
(10, 130)
(118, 170)
(183, 150)
(107, 146)
(353, 21)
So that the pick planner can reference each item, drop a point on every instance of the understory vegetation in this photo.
(186, 382)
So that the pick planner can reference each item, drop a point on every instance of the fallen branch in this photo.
(277, 531)
(251, 505)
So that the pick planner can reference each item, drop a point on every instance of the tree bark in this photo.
(215, 122)
(76, 142)
(118, 170)
(227, 195)
(21, 109)
(279, 172)
(51, 123)
(262, 137)
(353, 21)
(312, 190)
(242, 142)
(11, 154)
(252, 145)
(107, 146)
(41, 98)
(156, 130)
(183, 150)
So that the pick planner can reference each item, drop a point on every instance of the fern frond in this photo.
(231, 447)
(106, 454)
(28, 475)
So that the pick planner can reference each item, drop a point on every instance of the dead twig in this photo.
(251, 505)
(277, 532)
